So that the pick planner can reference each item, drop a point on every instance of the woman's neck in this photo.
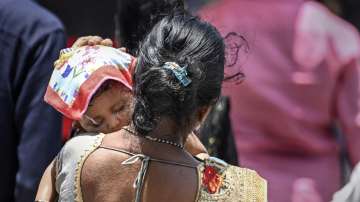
(168, 130)
(127, 140)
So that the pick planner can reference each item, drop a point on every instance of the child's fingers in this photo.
(95, 40)
(123, 49)
(82, 41)
(106, 42)
(87, 40)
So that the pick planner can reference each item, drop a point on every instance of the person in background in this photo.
(194, 5)
(30, 40)
(351, 11)
(351, 191)
(135, 18)
(302, 75)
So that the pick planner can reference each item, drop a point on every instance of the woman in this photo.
(101, 77)
(177, 80)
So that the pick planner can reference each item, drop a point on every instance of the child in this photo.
(92, 85)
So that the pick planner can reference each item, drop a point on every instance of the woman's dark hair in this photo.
(191, 43)
(135, 18)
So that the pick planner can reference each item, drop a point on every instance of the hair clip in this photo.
(180, 72)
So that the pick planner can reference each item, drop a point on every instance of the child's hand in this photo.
(94, 40)
(91, 41)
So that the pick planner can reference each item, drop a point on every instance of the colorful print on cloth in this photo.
(79, 73)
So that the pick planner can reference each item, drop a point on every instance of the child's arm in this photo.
(46, 191)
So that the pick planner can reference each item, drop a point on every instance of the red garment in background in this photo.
(302, 74)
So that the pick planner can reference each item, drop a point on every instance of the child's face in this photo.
(108, 112)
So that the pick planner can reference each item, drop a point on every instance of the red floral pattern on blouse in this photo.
(211, 179)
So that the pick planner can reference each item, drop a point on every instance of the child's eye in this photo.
(95, 125)
(92, 122)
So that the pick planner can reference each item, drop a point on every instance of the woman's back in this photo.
(103, 170)
(108, 173)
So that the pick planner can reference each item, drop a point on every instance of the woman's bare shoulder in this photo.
(74, 149)
(100, 171)
(106, 158)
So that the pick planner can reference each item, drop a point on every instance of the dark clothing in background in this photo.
(30, 130)
(216, 133)
(84, 17)
(194, 5)
(351, 11)
(93, 17)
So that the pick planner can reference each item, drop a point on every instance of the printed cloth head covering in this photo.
(80, 72)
